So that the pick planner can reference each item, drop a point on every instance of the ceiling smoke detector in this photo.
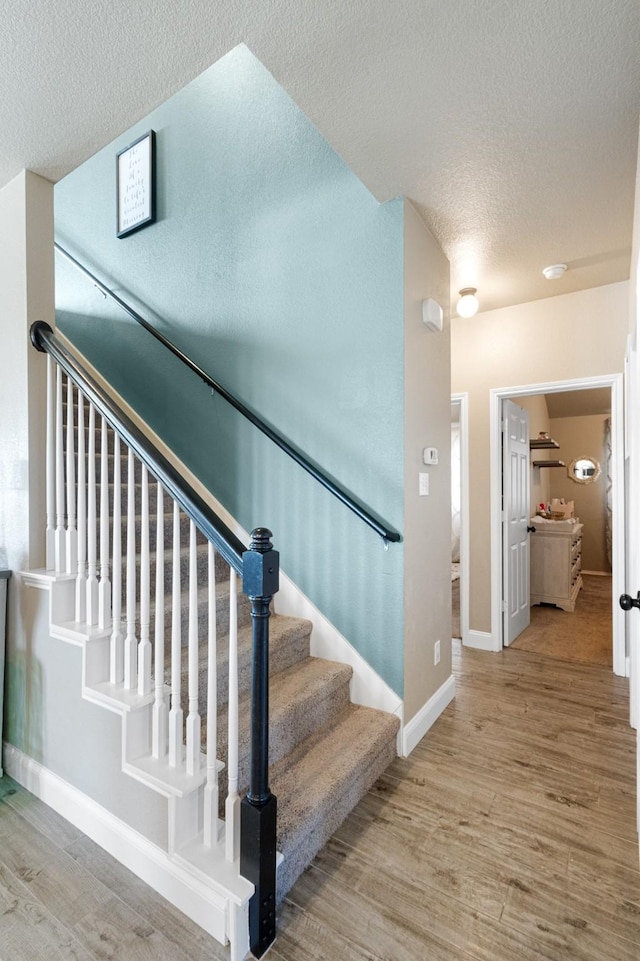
(554, 272)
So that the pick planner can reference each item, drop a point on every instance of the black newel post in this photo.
(260, 570)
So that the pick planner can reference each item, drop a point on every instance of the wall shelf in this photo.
(546, 444)
(549, 463)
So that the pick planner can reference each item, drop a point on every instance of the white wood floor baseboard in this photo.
(417, 727)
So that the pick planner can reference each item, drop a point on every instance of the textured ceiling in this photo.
(511, 124)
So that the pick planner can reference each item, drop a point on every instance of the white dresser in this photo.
(556, 564)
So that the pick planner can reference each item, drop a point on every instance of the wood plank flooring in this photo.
(508, 835)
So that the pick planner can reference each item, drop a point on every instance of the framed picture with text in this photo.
(135, 185)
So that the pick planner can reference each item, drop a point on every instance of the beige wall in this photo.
(427, 520)
(634, 275)
(565, 337)
(584, 436)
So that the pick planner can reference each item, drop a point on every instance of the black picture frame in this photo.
(135, 185)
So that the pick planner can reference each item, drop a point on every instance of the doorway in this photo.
(460, 515)
(613, 384)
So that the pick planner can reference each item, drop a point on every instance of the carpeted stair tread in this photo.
(302, 697)
(323, 779)
(202, 574)
(222, 618)
(289, 640)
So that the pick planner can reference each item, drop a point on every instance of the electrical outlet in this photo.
(436, 652)
(423, 483)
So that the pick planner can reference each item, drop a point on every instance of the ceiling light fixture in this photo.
(468, 304)
(554, 272)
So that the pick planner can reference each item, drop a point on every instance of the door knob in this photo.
(531, 530)
(627, 602)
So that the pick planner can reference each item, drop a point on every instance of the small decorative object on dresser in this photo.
(556, 563)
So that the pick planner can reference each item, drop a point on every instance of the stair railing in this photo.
(86, 532)
(385, 532)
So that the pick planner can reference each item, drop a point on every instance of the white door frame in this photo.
(496, 395)
(462, 401)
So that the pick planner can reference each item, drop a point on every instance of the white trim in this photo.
(207, 907)
(415, 730)
(462, 401)
(367, 687)
(619, 526)
(482, 641)
(496, 395)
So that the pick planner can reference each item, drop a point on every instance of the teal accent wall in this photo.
(278, 272)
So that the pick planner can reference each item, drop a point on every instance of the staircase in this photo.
(324, 751)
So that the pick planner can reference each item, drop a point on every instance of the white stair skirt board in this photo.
(481, 641)
(222, 916)
(417, 727)
(367, 687)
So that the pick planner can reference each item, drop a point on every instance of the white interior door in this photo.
(633, 549)
(515, 513)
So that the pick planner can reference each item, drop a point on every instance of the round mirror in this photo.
(584, 470)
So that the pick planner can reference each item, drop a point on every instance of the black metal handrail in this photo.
(363, 513)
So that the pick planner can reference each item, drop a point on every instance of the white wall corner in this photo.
(415, 730)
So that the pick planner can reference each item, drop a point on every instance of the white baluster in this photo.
(160, 711)
(144, 649)
(211, 788)
(232, 804)
(92, 559)
(104, 602)
(175, 713)
(51, 467)
(193, 717)
(116, 669)
(60, 531)
(131, 641)
(72, 533)
(81, 579)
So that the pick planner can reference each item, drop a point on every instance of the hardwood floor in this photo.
(508, 835)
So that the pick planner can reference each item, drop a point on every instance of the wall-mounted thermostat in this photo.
(430, 455)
